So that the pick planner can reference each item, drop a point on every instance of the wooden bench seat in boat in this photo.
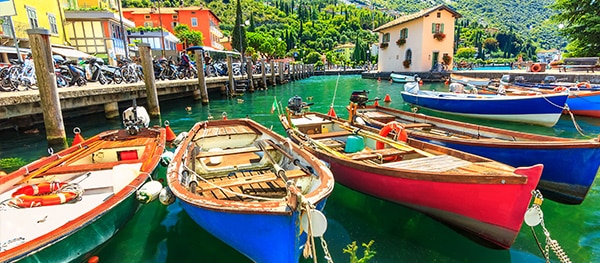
(232, 151)
(438, 163)
(329, 134)
(227, 182)
(376, 154)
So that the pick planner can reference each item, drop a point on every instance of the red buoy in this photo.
(94, 259)
(78, 137)
(224, 115)
(376, 102)
(331, 112)
(379, 79)
(170, 134)
(387, 98)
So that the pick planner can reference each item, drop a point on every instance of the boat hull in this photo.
(540, 110)
(80, 244)
(250, 234)
(472, 208)
(585, 104)
(399, 78)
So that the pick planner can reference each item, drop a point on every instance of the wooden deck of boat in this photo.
(262, 183)
(212, 131)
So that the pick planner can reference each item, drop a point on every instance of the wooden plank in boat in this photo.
(376, 154)
(232, 182)
(231, 151)
(330, 134)
(438, 163)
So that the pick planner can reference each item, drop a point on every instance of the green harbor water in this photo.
(167, 234)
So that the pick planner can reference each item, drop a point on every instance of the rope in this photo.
(335, 90)
(566, 108)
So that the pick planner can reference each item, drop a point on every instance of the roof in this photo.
(413, 16)
(169, 10)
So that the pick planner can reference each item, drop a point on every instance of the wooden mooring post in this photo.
(39, 39)
(149, 80)
(202, 91)
(250, 74)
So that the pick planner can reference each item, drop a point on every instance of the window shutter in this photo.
(442, 28)
(433, 28)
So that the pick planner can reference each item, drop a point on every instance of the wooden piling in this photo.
(230, 74)
(149, 81)
(250, 74)
(281, 71)
(202, 90)
(273, 71)
(263, 72)
(41, 51)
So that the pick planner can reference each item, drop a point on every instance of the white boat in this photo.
(403, 78)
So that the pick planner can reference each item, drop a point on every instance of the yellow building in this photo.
(417, 42)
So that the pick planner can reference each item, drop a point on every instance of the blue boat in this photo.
(570, 165)
(252, 189)
(540, 109)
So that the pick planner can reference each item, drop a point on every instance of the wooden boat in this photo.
(480, 197)
(400, 78)
(542, 109)
(62, 207)
(249, 187)
(570, 165)
(478, 82)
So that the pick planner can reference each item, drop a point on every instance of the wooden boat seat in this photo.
(438, 163)
(376, 154)
(329, 134)
(250, 149)
(232, 181)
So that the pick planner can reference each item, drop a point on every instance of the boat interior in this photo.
(236, 163)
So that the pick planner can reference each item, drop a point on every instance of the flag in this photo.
(274, 105)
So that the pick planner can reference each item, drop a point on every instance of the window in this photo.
(147, 17)
(404, 33)
(437, 28)
(174, 24)
(52, 21)
(175, 17)
(439, 14)
(194, 21)
(385, 38)
(148, 24)
(6, 27)
(32, 16)
(408, 55)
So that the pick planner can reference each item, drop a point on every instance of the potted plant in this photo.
(401, 41)
(383, 44)
(556, 63)
(446, 59)
(406, 63)
(439, 36)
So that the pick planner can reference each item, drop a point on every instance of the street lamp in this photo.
(246, 23)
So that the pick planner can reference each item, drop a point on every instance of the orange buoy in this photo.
(421, 82)
(379, 79)
(93, 259)
(331, 112)
(387, 98)
(224, 115)
(376, 103)
(447, 82)
(170, 134)
(78, 137)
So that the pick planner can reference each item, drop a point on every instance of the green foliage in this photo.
(11, 164)
(367, 255)
(312, 58)
(145, 29)
(580, 22)
(187, 36)
(465, 52)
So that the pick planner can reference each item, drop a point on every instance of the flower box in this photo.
(401, 41)
(439, 36)
(383, 44)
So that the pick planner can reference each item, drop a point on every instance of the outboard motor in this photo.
(360, 97)
(295, 104)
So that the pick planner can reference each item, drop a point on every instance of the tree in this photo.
(187, 36)
(581, 25)
(238, 36)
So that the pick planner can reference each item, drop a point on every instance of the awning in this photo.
(70, 53)
(13, 50)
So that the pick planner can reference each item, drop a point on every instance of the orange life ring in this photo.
(584, 84)
(536, 67)
(559, 89)
(42, 194)
(395, 126)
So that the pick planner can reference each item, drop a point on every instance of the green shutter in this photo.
(433, 28)
(442, 28)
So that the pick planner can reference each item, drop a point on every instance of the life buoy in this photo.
(42, 194)
(536, 67)
(559, 89)
(584, 84)
(397, 127)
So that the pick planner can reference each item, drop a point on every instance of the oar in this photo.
(278, 170)
(320, 144)
(396, 144)
(56, 162)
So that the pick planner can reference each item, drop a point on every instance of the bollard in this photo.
(41, 51)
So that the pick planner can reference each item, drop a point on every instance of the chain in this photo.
(534, 217)
(326, 250)
(17, 240)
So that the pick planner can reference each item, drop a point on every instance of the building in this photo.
(97, 32)
(417, 42)
(197, 18)
(31, 14)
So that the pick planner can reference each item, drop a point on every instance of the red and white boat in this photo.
(480, 197)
